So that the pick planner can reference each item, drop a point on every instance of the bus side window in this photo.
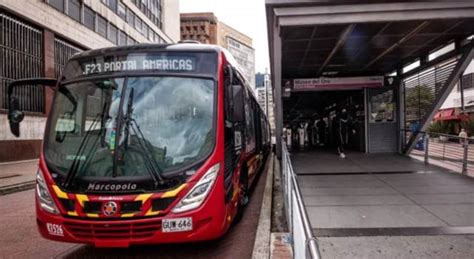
(249, 122)
(228, 95)
(238, 111)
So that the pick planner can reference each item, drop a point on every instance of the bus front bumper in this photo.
(124, 233)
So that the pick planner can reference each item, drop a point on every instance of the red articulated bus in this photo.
(146, 144)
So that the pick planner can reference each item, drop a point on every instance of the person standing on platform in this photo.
(301, 135)
(288, 136)
(321, 126)
(341, 131)
(462, 137)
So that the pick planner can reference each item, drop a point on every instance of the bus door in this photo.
(233, 134)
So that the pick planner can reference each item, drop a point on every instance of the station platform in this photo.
(326, 162)
(379, 202)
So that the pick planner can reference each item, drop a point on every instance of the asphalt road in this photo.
(19, 237)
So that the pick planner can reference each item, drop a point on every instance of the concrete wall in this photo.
(225, 31)
(171, 19)
(454, 98)
(27, 146)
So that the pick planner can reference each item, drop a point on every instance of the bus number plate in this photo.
(177, 224)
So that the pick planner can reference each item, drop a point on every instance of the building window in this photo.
(152, 9)
(89, 18)
(122, 11)
(74, 9)
(113, 5)
(138, 24)
(150, 34)
(102, 26)
(468, 81)
(62, 52)
(145, 30)
(57, 4)
(20, 51)
(113, 33)
(130, 18)
(122, 38)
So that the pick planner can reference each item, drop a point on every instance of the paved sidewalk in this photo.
(17, 176)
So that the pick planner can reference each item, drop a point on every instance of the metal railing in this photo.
(304, 242)
(452, 151)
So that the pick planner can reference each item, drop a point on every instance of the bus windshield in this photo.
(130, 127)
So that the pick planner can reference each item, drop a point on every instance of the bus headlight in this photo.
(44, 197)
(199, 192)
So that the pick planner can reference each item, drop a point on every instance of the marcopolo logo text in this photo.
(111, 187)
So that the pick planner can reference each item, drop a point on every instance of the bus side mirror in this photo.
(15, 115)
(238, 109)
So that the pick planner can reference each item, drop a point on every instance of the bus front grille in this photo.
(113, 230)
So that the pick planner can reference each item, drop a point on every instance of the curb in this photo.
(261, 247)
(17, 187)
(19, 162)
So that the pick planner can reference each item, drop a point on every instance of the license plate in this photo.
(177, 224)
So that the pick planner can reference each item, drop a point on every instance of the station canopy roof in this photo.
(356, 38)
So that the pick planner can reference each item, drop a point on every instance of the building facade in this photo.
(37, 37)
(200, 27)
(459, 105)
(265, 100)
(207, 29)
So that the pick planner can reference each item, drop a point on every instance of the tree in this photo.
(419, 100)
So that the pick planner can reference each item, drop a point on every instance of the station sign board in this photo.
(337, 83)
(245, 57)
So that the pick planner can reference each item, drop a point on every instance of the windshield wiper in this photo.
(154, 169)
(71, 174)
(75, 163)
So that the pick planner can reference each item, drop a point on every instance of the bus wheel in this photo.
(243, 195)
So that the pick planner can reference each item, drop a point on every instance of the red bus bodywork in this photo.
(210, 221)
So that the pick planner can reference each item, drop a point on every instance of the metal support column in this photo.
(277, 87)
(427, 148)
(464, 160)
(401, 113)
(461, 90)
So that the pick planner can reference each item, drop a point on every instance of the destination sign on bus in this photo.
(140, 62)
(204, 64)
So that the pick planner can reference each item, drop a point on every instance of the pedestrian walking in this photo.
(462, 137)
(342, 125)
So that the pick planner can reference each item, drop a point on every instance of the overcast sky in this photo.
(246, 16)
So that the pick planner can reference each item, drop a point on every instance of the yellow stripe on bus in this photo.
(72, 213)
(143, 197)
(81, 198)
(92, 215)
(127, 215)
(174, 192)
(152, 213)
(252, 160)
(59, 193)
